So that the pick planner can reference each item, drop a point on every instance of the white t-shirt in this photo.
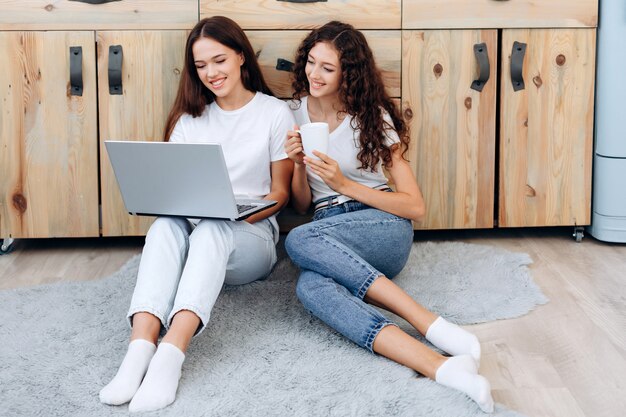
(252, 137)
(343, 147)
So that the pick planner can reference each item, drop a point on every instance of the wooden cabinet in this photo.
(52, 141)
(508, 156)
(452, 125)
(546, 132)
(494, 156)
(151, 68)
(48, 136)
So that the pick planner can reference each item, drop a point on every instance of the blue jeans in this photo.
(340, 254)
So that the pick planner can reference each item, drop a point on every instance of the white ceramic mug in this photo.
(314, 138)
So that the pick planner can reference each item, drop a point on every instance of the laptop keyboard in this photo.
(243, 207)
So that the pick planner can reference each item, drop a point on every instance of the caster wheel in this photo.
(578, 234)
(7, 246)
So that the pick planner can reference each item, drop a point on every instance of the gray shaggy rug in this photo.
(262, 353)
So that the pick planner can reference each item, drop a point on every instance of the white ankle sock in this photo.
(158, 389)
(459, 372)
(125, 383)
(453, 339)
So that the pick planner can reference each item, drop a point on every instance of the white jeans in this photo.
(183, 267)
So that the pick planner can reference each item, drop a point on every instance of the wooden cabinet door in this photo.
(48, 137)
(452, 147)
(546, 132)
(273, 45)
(151, 67)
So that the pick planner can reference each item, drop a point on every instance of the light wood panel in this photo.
(272, 14)
(48, 138)
(152, 63)
(546, 134)
(431, 14)
(271, 45)
(452, 126)
(124, 14)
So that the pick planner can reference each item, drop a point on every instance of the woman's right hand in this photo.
(293, 146)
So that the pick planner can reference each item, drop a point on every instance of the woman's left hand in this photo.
(328, 170)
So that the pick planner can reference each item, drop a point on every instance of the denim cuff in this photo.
(204, 318)
(143, 309)
(369, 343)
(367, 283)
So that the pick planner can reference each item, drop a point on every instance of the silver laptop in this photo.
(177, 179)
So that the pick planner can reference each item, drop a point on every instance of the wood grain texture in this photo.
(452, 126)
(124, 14)
(48, 138)
(546, 130)
(271, 45)
(152, 63)
(429, 14)
(273, 14)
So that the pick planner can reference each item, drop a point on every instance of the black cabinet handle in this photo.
(284, 65)
(304, 1)
(95, 1)
(76, 70)
(517, 63)
(115, 69)
(480, 50)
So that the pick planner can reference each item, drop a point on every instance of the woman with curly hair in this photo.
(361, 233)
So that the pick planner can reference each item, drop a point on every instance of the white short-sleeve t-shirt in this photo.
(252, 137)
(343, 147)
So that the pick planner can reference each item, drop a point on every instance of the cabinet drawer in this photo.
(272, 45)
(123, 14)
(285, 14)
(431, 14)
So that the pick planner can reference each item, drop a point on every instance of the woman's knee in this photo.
(208, 229)
(167, 228)
(295, 243)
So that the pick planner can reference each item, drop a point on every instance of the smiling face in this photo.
(323, 70)
(218, 67)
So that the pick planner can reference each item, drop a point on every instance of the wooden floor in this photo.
(567, 358)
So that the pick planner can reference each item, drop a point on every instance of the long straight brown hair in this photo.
(193, 96)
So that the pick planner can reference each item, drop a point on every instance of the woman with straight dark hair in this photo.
(222, 98)
(361, 233)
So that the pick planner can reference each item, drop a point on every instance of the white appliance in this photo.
(608, 219)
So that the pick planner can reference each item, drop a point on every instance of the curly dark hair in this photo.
(361, 91)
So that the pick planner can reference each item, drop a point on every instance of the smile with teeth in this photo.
(217, 83)
(316, 84)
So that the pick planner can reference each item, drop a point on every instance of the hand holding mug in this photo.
(314, 138)
(293, 146)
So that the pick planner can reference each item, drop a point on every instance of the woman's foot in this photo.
(453, 339)
(158, 389)
(460, 372)
(128, 378)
